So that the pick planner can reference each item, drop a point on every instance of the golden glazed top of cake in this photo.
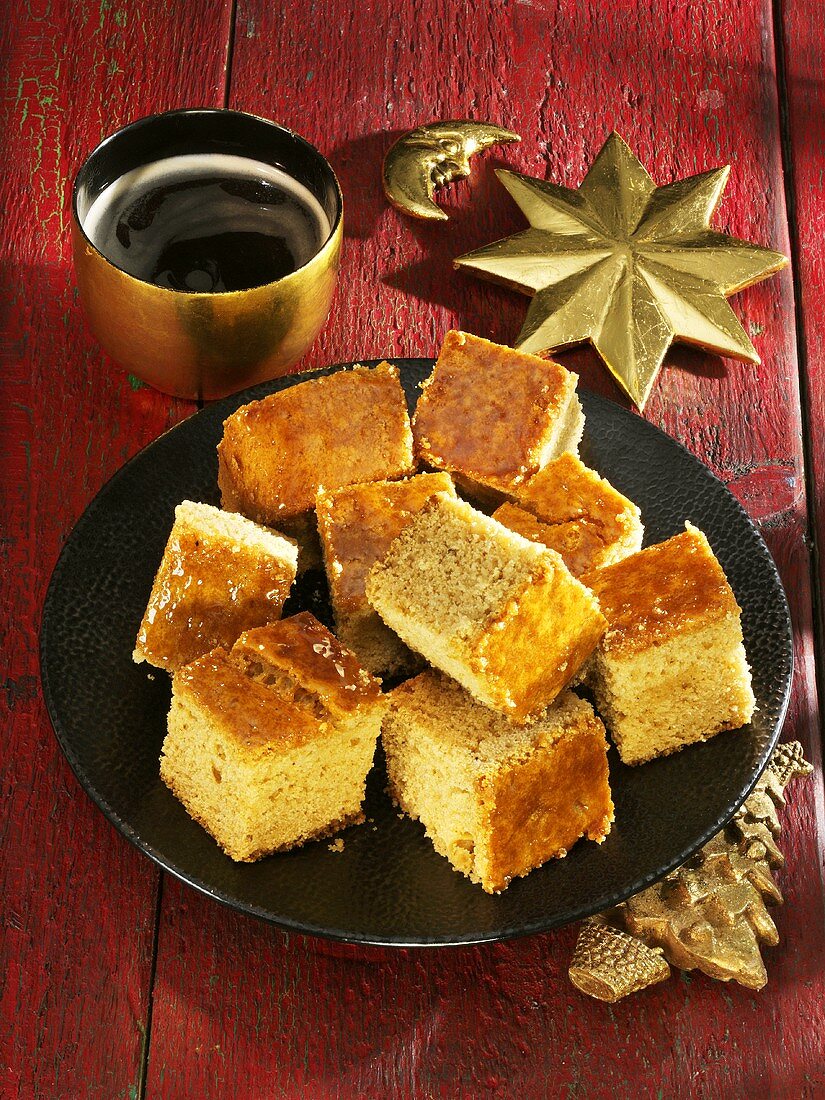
(277, 453)
(248, 712)
(359, 522)
(219, 574)
(673, 586)
(487, 411)
(578, 543)
(585, 508)
(575, 512)
(565, 490)
(326, 675)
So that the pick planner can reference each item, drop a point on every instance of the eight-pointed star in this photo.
(627, 265)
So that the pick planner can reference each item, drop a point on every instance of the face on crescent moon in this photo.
(448, 155)
(429, 157)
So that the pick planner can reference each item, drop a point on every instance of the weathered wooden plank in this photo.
(79, 903)
(802, 39)
(690, 86)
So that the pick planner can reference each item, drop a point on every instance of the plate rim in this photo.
(286, 924)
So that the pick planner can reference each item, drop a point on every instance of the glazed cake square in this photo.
(501, 615)
(496, 800)
(357, 524)
(220, 574)
(671, 669)
(577, 513)
(269, 745)
(492, 416)
(347, 427)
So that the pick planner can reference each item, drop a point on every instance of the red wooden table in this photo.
(118, 982)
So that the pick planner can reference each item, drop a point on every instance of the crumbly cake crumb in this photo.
(671, 669)
(495, 799)
(357, 525)
(269, 746)
(498, 613)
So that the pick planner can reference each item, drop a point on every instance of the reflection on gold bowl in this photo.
(205, 345)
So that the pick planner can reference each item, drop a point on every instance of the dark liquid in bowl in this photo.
(207, 233)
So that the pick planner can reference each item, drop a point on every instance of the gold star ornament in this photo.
(627, 265)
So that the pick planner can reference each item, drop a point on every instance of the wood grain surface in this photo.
(79, 904)
(114, 987)
(804, 100)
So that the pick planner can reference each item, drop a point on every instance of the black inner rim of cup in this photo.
(194, 131)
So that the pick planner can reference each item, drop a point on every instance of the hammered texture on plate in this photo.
(388, 886)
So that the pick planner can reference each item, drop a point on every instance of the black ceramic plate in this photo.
(388, 886)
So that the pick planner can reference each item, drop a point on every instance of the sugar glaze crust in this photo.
(502, 649)
(277, 453)
(486, 410)
(303, 647)
(580, 544)
(248, 713)
(211, 585)
(575, 511)
(651, 596)
(544, 805)
(565, 490)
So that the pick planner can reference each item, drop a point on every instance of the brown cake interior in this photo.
(358, 524)
(501, 615)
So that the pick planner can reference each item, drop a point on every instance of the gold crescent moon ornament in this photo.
(626, 265)
(428, 157)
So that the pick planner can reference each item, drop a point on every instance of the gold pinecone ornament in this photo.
(709, 915)
(608, 963)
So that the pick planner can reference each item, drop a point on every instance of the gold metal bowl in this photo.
(205, 345)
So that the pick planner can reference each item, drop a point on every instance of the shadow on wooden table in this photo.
(358, 164)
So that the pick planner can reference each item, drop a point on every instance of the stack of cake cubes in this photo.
(474, 562)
